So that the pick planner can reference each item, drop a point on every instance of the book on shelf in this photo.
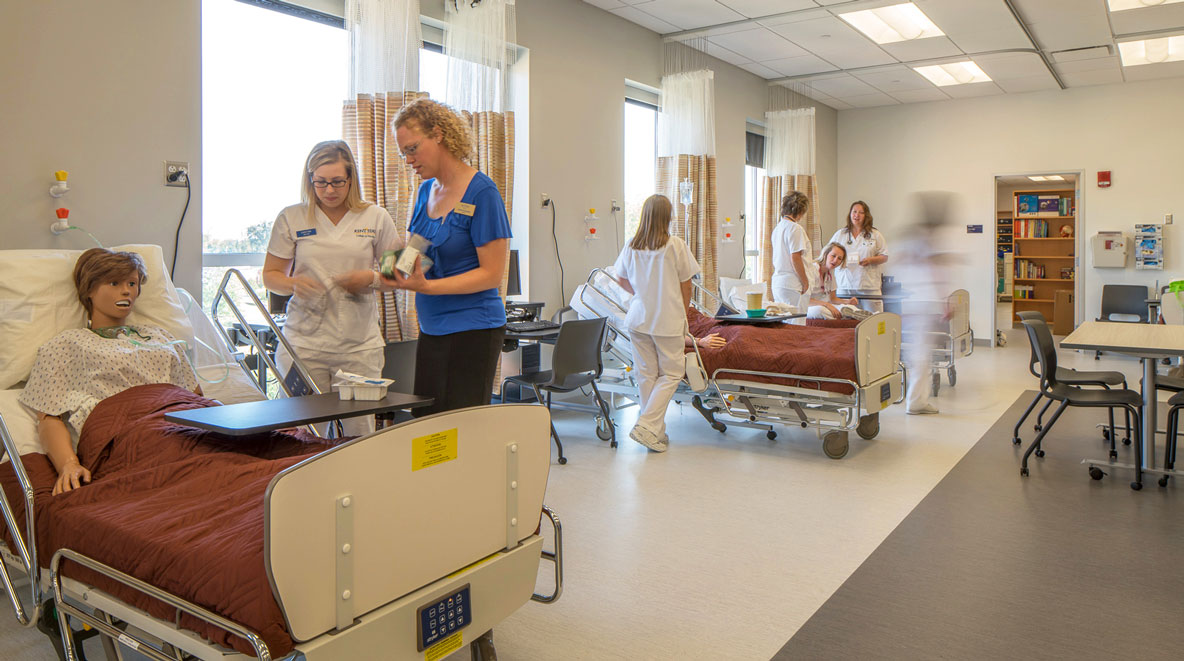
(1026, 203)
(1066, 274)
(1048, 204)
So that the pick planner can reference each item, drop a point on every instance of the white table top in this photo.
(1135, 339)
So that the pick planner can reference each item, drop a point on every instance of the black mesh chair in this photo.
(1041, 338)
(1071, 377)
(575, 363)
(1127, 300)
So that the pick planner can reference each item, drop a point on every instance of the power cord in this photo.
(743, 245)
(173, 176)
(558, 256)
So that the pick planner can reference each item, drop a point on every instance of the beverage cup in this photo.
(756, 301)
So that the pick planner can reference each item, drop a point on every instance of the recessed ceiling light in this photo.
(1123, 5)
(954, 73)
(887, 25)
(1055, 177)
(1038, 178)
(1151, 51)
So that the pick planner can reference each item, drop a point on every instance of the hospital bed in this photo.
(954, 340)
(759, 398)
(354, 559)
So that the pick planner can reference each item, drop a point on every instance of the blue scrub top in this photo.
(455, 239)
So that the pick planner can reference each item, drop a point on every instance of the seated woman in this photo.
(81, 367)
(824, 304)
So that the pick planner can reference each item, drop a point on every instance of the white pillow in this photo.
(38, 301)
(20, 421)
(734, 291)
(232, 386)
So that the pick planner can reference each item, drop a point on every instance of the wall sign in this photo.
(974, 229)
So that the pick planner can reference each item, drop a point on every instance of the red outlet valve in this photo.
(63, 213)
(591, 230)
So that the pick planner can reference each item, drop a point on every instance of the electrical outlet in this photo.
(1167, 219)
(614, 206)
(171, 178)
(546, 199)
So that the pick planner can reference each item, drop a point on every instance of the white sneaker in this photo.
(928, 409)
(647, 438)
(858, 314)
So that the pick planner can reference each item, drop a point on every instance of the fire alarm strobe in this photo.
(1103, 179)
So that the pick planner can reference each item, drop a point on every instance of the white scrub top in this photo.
(788, 238)
(337, 320)
(822, 286)
(657, 277)
(853, 276)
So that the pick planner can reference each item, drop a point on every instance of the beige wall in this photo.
(107, 91)
(960, 145)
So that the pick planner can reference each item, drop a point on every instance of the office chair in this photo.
(1173, 430)
(1129, 300)
(1071, 377)
(575, 363)
(1041, 338)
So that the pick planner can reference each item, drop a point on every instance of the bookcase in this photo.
(1044, 231)
(1003, 253)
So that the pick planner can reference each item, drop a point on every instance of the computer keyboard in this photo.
(530, 326)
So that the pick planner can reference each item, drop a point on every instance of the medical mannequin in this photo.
(459, 211)
(824, 304)
(866, 254)
(323, 252)
(657, 269)
(81, 367)
(792, 255)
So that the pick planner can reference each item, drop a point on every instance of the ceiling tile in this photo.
(606, 4)
(838, 104)
(760, 70)
(756, 8)
(1148, 19)
(841, 85)
(759, 44)
(1086, 78)
(796, 17)
(976, 26)
(1079, 54)
(645, 20)
(726, 55)
(922, 49)
(1027, 83)
(799, 66)
(971, 89)
(870, 100)
(894, 79)
(1152, 71)
(1011, 65)
(919, 96)
(832, 40)
(689, 14)
(1111, 63)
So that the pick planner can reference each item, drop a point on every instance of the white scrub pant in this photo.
(919, 357)
(660, 366)
(870, 306)
(819, 312)
(787, 289)
(322, 365)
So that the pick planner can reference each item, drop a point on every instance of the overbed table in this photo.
(270, 414)
(742, 318)
(1149, 342)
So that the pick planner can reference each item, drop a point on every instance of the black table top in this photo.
(258, 417)
(767, 319)
(545, 334)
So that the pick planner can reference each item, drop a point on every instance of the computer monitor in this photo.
(514, 278)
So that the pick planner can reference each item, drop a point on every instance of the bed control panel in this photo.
(444, 617)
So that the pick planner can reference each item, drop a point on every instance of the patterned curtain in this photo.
(695, 223)
(772, 190)
(493, 133)
(385, 180)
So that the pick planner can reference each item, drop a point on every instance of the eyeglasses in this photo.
(336, 183)
(411, 149)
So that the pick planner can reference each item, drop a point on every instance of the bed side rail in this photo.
(26, 554)
(555, 557)
(877, 346)
(66, 610)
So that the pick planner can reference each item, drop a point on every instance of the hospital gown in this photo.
(77, 369)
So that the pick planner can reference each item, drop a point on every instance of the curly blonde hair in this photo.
(427, 116)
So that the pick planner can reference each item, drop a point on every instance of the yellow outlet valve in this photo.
(61, 175)
(592, 211)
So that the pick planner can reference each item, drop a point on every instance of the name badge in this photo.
(465, 209)
(303, 233)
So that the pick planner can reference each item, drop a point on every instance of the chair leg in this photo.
(612, 428)
(1138, 483)
(1015, 434)
(1035, 446)
(554, 434)
(1173, 430)
(1040, 416)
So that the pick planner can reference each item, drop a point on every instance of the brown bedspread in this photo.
(782, 348)
(177, 507)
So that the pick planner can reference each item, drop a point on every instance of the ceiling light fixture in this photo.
(1151, 51)
(888, 25)
(1038, 178)
(953, 73)
(1123, 5)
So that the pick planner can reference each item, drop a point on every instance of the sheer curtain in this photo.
(686, 151)
(789, 166)
(385, 39)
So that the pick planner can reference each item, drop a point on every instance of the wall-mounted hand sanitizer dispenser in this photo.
(1109, 250)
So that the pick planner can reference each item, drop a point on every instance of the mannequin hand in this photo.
(72, 477)
(853, 301)
(712, 341)
(305, 288)
(354, 282)
(415, 282)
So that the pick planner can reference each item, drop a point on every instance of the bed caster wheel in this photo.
(1015, 440)
(835, 445)
(1039, 453)
(771, 435)
(1023, 472)
(952, 376)
(1163, 481)
(604, 430)
(562, 460)
(1136, 486)
(1126, 441)
(1096, 473)
(719, 427)
(869, 426)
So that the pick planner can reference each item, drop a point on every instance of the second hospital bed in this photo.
(835, 380)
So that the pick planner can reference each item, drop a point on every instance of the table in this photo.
(270, 414)
(767, 319)
(1149, 342)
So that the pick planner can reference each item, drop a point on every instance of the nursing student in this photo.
(824, 303)
(458, 210)
(866, 253)
(657, 269)
(793, 270)
(323, 252)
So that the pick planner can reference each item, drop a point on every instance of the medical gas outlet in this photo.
(60, 187)
(62, 223)
(728, 228)
(589, 220)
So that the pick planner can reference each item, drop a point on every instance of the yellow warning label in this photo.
(444, 647)
(880, 328)
(464, 209)
(433, 449)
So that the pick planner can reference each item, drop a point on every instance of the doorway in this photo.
(1037, 228)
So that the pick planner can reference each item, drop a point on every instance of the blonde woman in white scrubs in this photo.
(657, 269)
(866, 253)
(323, 253)
(793, 256)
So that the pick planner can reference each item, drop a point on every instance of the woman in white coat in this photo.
(793, 256)
(866, 253)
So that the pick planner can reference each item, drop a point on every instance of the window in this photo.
(641, 163)
(273, 84)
